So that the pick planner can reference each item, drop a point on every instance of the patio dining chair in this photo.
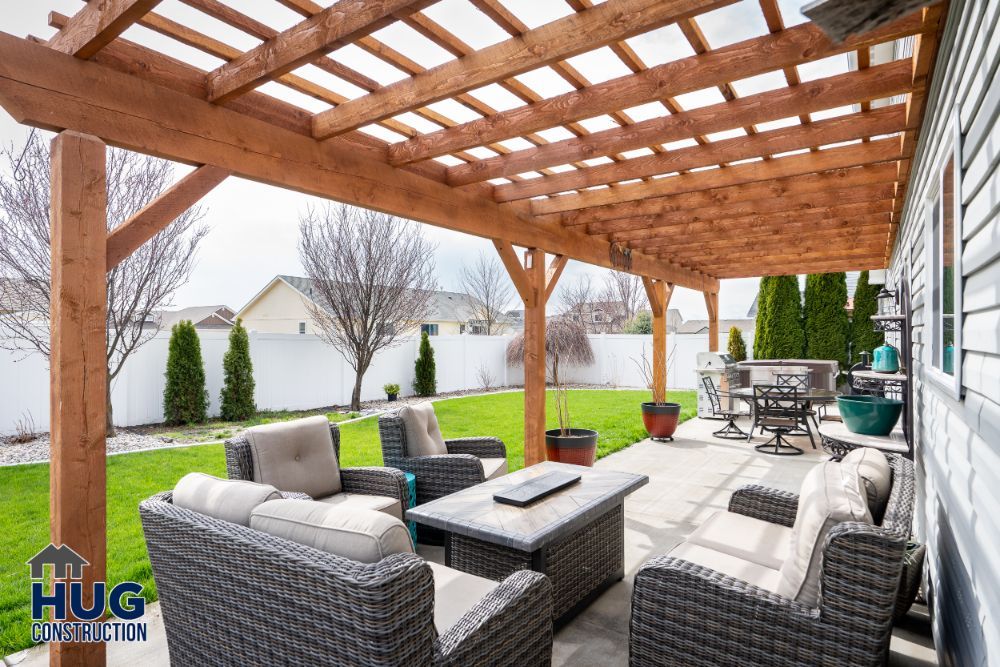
(730, 431)
(801, 382)
(778, 410)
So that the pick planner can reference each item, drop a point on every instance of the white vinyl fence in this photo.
(301, 372)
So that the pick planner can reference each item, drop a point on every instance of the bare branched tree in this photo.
(373, 276)
(142, 283)
(576, 302)
(487, 282)
(624, 295)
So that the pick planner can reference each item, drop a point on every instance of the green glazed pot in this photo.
(869, 415)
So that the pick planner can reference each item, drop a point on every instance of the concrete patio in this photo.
(690, 479)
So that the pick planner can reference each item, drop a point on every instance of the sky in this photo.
(253, 228)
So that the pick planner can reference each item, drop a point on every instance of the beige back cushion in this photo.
(423, 437)
(363, 535)
(876, 476)
(831, 493)
(226, 499)
(296, 456)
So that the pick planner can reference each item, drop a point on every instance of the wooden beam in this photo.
(784, 268)
(514, 269)
(41, 87)
(795, 256)
(534, 358)
(553, 273)
(721, 256)
(883, 150)
(558, 40)
(339, 24)
(159, 213)
(883, 81)
(774, 190)
(885, 120)
(712, 304)
(97, 24)
(78, 368)
(745, 59)
(658, 293)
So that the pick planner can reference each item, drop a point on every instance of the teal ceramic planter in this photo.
(869, 415)
(885, 359)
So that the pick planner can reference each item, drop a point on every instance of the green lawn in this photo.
(24, 490)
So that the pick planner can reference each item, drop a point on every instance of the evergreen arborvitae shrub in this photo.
(783, 331)
(642, 323)
(185, 400)
(864, 337)
(236, 397)
(424, 370)
(760, 348)
(826, 322)
(737, 348)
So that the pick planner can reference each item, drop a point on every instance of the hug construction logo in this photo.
(69, 619)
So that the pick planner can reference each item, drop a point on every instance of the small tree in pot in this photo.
(566, 343)
(659, 416)
(391, 391)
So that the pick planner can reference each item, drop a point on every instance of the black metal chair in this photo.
(801, 382)
(730, 431)
(779, 410)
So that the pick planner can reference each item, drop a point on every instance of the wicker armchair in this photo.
(231, 595)
(686, 614)
(442, 474)
(370, 481)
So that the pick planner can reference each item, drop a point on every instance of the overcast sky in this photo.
(254, 228)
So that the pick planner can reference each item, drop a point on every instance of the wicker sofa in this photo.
(685, 613)
(454, 465)
(235, 595)
(379, 488)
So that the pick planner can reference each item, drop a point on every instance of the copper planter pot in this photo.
(579, 447)
(661, 419)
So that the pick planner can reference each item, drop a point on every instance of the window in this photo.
(429, 329)
(302, 327)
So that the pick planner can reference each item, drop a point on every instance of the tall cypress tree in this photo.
(424, 369)
(237, 389)
(736, 347)
(864, 337)
(783, 332)
(185, 400)
(760, 343)
(826, 322)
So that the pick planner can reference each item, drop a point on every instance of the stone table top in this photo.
(894, 442)
(473, 512)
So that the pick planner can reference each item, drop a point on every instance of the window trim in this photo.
(934, 271)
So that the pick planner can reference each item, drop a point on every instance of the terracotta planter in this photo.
(661, 419)
(578, 447)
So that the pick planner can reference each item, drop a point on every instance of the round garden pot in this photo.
(661, 419)
(391, 397)
(579, 446)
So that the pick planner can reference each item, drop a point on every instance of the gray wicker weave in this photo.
(231, 595)
(372, 481)
(685, 614)
(441, 475)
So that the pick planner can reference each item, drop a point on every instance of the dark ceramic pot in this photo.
(391, 397)
(661, 419)
(578, 447)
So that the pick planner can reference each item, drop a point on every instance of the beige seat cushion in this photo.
(455, 593)
(876, 475)
(423, 436)
(494, 468)
(226, 499)
(831, 493)
(351, 501)
(296, 456)
(751, 539)
(729, 565)
(366, 536)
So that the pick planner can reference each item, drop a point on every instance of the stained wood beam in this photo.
(749, 58)
(743, 194)
(659, 293)
(809, 262)
(886, 120)
(712, 305)
(564, 38)
(724, 251)
(785, 268)
(339, 24)
(41, 87)
(553, 273)
(883, 150)
(842, 90)
(159, 213)
(98, 24)
(514, 269)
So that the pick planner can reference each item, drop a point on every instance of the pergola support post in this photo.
(659, 293)
(712, 304)
(534, 283)
(78, 363)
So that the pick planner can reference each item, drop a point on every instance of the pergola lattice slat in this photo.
(98, 24)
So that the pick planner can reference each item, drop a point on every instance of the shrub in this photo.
(642, 323)
(760, 349)
(737, 348)
(783, 335)
(185, 400)
(826, 322)
(425, 372)
(391, 389)
(238, 385)
(864, 337)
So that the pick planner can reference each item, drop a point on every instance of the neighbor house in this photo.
(203, 317)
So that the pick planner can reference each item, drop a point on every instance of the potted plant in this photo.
(391, 391)
(659, 416)
(566, 343)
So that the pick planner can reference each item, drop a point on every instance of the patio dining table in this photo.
(812, 395)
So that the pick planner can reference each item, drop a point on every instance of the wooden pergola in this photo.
(809, 196)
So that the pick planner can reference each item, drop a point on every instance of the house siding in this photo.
(957, 440)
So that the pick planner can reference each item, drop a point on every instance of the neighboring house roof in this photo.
(701, 326)
(201, 316)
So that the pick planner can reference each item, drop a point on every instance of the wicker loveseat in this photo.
(455, 464)
(685, 613)
(234, 595)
